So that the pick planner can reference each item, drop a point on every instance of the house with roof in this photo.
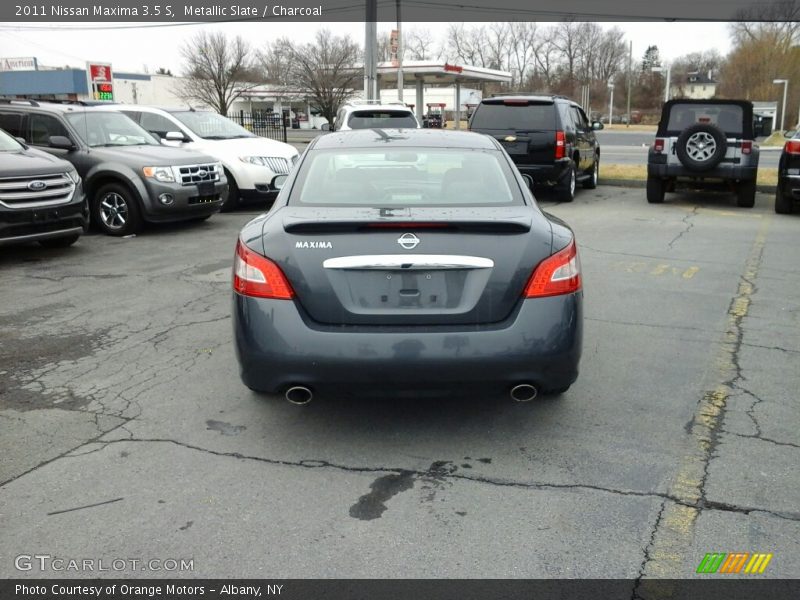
(695, 85)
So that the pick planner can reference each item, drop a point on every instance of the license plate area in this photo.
(516, 148)
(400, 291)
(205, 189)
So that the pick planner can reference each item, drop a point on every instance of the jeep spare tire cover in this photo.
(701, 147)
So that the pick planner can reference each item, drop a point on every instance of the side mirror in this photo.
(529, 180)
(175, 136)
(597, 125)
(21, 141)
(789, 133)
(325, 127)
(278, 181)
(61, 142)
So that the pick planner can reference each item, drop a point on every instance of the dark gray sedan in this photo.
(406, 261)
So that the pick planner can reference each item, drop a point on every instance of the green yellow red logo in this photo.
(734, 562)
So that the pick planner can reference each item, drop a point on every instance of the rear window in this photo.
(382, 119)
(405, 177)
(524, 115)
(728, 117)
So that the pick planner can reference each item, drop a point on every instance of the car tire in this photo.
(232, 201)
(565, 191)
(115, 210)
(746, 194)
(60, 242)
(591, 183)
(692, 145)
(656, 188)
(784, 205)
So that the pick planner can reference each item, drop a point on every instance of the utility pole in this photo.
(630, 77)
(399, 54)
(370, 51)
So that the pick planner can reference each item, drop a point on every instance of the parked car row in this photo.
(124, 166)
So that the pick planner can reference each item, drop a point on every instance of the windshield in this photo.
(109, 129)
(211, 126)
(8, 143)
(515, 115)
(728, 117)
(406, 177)
(391, 119)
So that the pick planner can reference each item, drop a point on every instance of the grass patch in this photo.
(776, 140)
(639, 173)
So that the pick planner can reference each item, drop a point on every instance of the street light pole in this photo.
(399, 54)
(611, 104)
(785, 83)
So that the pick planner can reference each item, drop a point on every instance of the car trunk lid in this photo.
(409, 266)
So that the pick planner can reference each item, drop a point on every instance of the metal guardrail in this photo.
(266, 124)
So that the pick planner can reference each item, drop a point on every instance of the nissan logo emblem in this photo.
(37, 185)
(408, 241)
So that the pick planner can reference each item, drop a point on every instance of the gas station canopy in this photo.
(426, 72)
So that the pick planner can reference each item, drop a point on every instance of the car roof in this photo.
(405, 138)
(45, 106)
(378, 106)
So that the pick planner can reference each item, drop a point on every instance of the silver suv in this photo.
(704, 143)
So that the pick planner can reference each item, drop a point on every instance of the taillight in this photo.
(559, 274)
(658, 146)
(747, 147)
(255, 275)
(561, 145)
(792, 147)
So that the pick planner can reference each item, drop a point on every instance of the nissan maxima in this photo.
(406, 261)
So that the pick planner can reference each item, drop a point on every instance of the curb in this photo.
(641, 183)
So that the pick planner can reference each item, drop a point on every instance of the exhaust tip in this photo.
(524, 392)
(299, 395)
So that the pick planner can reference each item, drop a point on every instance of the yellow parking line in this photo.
(690, 272)
(660, 270)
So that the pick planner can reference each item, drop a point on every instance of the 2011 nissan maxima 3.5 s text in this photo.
(406, 261)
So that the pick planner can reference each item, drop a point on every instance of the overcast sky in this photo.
(136, 48)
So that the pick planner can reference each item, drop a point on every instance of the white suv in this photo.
(364, 115)
(250, 161)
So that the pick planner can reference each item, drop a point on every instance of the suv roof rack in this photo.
(19, 100)
(543, 94)
(379, 102)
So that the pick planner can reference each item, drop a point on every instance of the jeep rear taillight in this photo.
(658, 146)
(792, 147)
(561, 145)
(747, 147)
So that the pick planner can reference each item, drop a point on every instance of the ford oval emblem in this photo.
(202, 173)
(408, 241)
(37, 185)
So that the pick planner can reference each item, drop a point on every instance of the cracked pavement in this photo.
(125, 431)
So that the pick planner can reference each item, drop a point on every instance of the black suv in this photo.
(128, 176)
(704, 143)
(41, 197)
(547, 137)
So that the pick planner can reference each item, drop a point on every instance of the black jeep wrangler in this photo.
(704, 143)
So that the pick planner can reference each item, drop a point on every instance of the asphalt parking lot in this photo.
(127, 433)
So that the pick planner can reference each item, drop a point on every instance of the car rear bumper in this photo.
(737, 172)
(19, 226)
(790, 186)
(278, 347)
(545, 172)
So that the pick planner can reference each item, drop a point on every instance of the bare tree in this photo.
(420, 44)
(326, 69)
(218, 70)
(522, 39)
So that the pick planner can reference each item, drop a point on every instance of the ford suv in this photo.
(250, 161)
(549, 138)
(41, 197)
(704, 144)
(129, 177)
